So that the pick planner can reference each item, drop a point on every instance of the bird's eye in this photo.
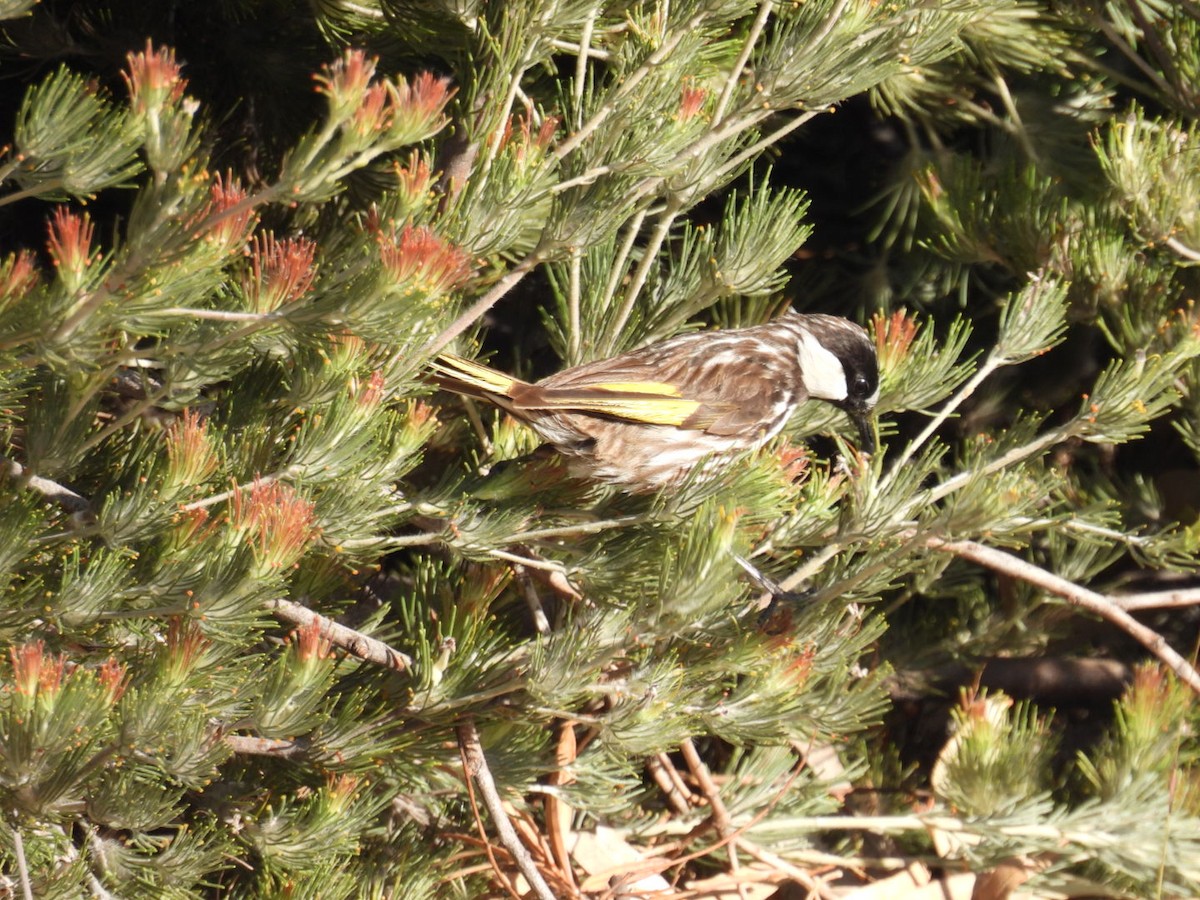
(861, 386)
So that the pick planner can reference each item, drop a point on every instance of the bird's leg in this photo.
(780, 595)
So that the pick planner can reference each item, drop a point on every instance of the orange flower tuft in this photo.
(420, 257)
(280, 271)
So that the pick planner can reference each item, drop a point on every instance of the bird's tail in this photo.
(463, 376)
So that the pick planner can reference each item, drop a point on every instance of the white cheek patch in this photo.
(823, 375)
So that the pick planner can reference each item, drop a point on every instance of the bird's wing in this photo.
(722, 383)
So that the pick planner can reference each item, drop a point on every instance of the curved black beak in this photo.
(861, 417)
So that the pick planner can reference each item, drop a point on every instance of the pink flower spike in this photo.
(691, 102)
(35, 673)
(112, 678)
(190, 455)
(371, 395)
(278, 519)
(153, 78)
(345, 81)
(413, 181)
(894, 334)
(418, 104)
(229, 216)
(18, 275)
(309, 645)
(70, 242)
(373, 113)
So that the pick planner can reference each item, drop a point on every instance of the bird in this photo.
(651, 417)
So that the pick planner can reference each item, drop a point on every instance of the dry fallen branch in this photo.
(476, 769)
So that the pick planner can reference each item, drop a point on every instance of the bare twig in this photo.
(256, 746)
(475, 764)
(532, 600)
(712, 794)
(674, 791)
(723, 822)
(1105, 607)
(497, 871)
(353, 642)
(1158, 599)
(720, 815)
(558, 812)
(22, 865)
(51, 490)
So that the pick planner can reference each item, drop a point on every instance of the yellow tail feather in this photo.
(472, 374)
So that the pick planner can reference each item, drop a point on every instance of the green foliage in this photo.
(214, 323)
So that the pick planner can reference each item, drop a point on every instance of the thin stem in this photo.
(1018, 127)
(591, 176)
(31, 191)
(391, 543)
(990, 365)
(214, 499)
(1129, 53)
(823, 32)
(537, 534)
(122, 420)
(950, 485)
(498, 133)
(617, 273)
(581, 64)
(542, 564)
(1158, 599)
(649, 259)
(628, 85)
(755, 149)
(505, 284)
(216, 315)
(1183, 249)
(812, 565)
(574, 287)
(739, 65)
(571, 47)
(22, 865)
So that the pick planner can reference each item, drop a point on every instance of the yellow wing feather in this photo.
(637, 387)
(649, 410)
(649, 402)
